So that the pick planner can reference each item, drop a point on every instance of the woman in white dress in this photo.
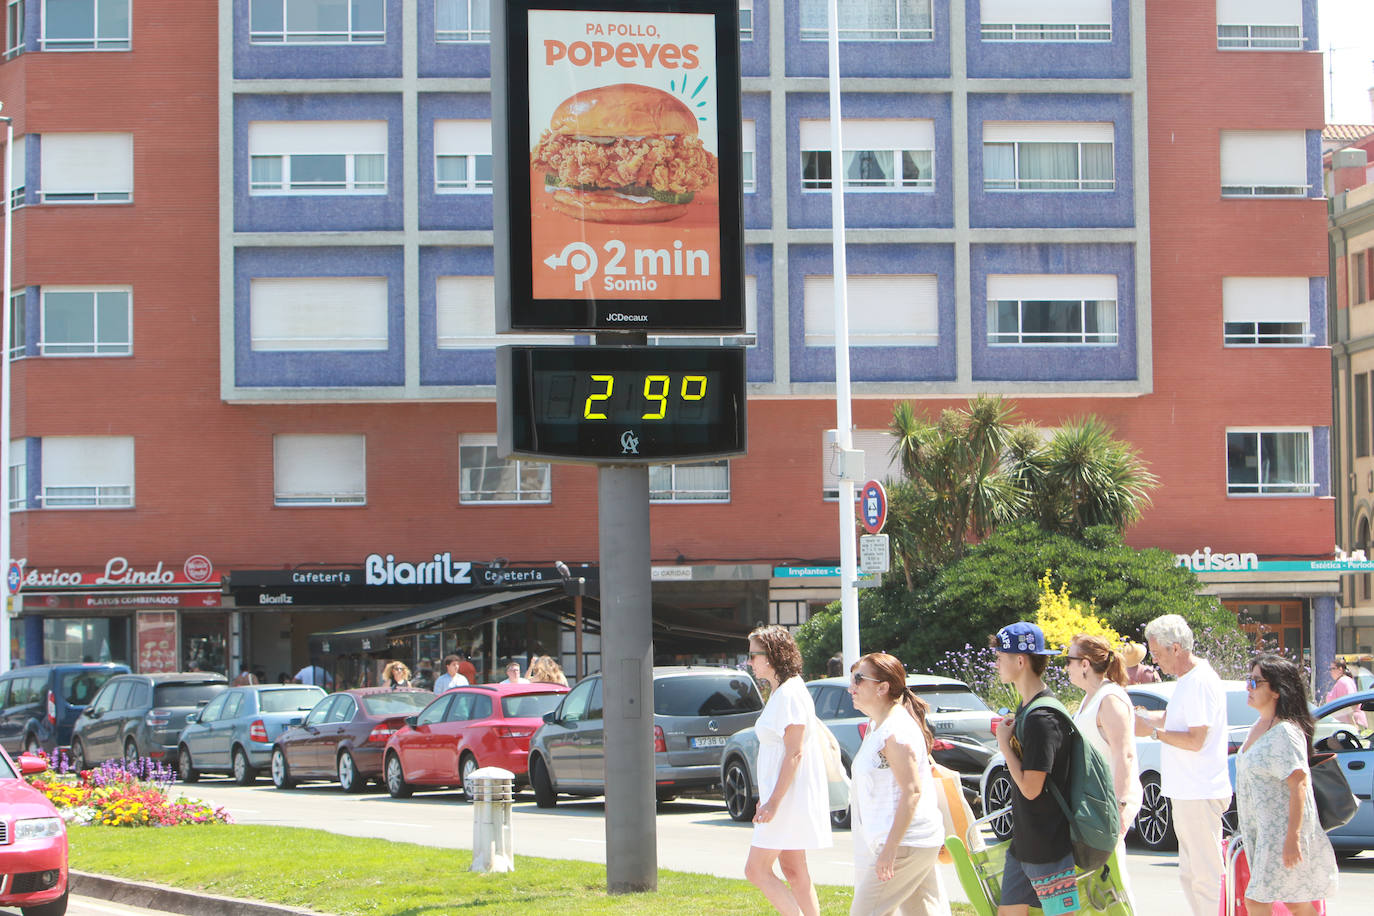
(895, 814)
(1105, 719)
(793, 813)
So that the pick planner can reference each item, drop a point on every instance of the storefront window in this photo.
(203, 641)
(97, 639)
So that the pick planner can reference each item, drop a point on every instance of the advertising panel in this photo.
(617, 128)
(157, 641)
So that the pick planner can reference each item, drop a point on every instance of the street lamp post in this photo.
(8, 328)
(577, 588)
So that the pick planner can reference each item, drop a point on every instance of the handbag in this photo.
(1336, 804)
(836, 779)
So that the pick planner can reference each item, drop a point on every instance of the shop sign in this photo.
(1205, 561)
(119, 572)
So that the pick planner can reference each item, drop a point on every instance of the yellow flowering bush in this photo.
(1061, 617)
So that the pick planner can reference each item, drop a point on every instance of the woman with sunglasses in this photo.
(793, 814)
(895, 815)
(1104, 717)
(1342, 684)
(1290, 857)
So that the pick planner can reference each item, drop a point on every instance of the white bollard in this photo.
(493, 794)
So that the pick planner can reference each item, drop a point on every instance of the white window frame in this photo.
(682, 494)
(542, 494)
(1247, 174)
(285, 36)
(750, 337)
(89, 194)
(96, 494)
(1047, 21)
(96, 42)
(1294, 488)
(478, 294)
(370, 297)
(879, 461)
(746, 20)
(926, 33)
(283, 142)
(1033, 289)
(1263, 312)
(95, 347)
(19, 475)
(14, 28)
(1260, 25)
(878, 329)
(895, 137)
(748, 157)
(19, 163)
(468, 140)
(1017, 134)
(282, 444)
(18, 324)
(469, 35)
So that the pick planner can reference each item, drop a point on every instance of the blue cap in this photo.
(1023, 639)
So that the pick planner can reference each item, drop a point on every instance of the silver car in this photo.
(695, 711)
(233, 733)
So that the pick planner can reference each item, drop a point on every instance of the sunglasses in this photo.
(1076, 658)
(860, 678)
(1253, 682)
(754, 654)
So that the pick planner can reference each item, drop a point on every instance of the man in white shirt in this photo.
(451, 677)
(1192, 758)
(315, 675)
(513, 674)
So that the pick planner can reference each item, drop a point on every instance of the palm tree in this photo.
(1084, 476)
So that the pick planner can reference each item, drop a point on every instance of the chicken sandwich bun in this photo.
(623, 154)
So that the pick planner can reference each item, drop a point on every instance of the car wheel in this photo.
(281, 773)
(544, 795)
(396, 778)
(996, 797)
(349, 780)
(56, 907)
(467, 765)
(78, 755)
(185, 768)
(245, 774)
(131, 754)
(1154, 825)
(1230, 821)
(738, 791)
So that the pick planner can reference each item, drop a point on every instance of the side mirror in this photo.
(293, 723)
(30, 764)
(412, 720)
(551, 716)
(91, 712)
(192, 717)
(200, 703)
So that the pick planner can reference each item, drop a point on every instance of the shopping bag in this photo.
(836, 779)
(954, 809)
(1241, 868)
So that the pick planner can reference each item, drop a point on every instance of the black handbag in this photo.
(1336, 804)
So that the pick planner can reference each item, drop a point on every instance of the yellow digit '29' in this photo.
(656, 389)
(609, 381)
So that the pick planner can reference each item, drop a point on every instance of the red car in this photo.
(342, 738)
(465, 729)
(33, 843)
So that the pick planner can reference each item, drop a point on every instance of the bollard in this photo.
(493, 794)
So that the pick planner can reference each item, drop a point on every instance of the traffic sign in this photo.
(14, 578)
(874, 553)
(873, 507)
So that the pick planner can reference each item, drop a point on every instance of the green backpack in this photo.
(1091, 808)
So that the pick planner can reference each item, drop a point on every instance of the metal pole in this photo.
(577, 632)
(849, 597)
(627, 656)
(8, 329)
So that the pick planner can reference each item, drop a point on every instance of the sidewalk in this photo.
(172, 899)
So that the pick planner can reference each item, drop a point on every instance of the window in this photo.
(884, 311)
(1259, 25)
(1051, 20)
(1047, 309)
(747, 157)
(87, 472)
(1048, 156)
(18, 330)
(19, 474)
(1364, 544)
(87, 168)
(462, 21)
(465, 316)
(1361, 412)
(296, 22)
(880, 463)
(878, 155)
(317, 157)
(746, 20)
(86, 25)
(690, 483)
(86, 321)
(18, 165)
(14, 29)
(751, 325)
(1269, 462)
(486, 478)
(318, 313)
(320, 469)
(1358, 265)
(1265, 311)
(1263, 163)
(869, 20)
(462, 157)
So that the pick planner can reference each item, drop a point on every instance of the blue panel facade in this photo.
(452, 367)
(1321, 459)
(872, 364)
(1050, 60)
(1316, 310)
(896, 209)
(1056, 362)
(450, 211)
(463, 59)
(314, 212)
(758, 263)
(758, 203)
(33, 452)
(871, 58)
(33, 321)
(1051, 209)
(33, 167)
(1316, 185)
(753, 53)
(1309, 33)
(317, 61)
(319, 369)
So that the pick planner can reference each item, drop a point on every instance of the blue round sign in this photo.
(14, 578)
(873, 507)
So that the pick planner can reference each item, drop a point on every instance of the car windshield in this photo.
(396, 704)
(186, 694)
(79, 687)
(706, 695)
(6, 771)
(530, 705)
(950, 698)
(289, 700)
(1238, 710)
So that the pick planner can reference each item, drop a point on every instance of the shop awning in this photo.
(370, 635)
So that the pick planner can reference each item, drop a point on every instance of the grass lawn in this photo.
(348, 875)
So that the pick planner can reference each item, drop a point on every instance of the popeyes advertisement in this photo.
(623, 166)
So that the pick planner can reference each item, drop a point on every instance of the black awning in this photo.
(370, 635)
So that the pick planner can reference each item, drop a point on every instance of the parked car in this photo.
(343, 736)
(40, 704)
(1154, 825)
(959, 719)
(33, 842)
(465, 729)
(695, 712)
(234, 732)
(141, 715)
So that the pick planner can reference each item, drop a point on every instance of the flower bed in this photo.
(121, 793)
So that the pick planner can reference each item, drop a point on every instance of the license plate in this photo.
(709, 741)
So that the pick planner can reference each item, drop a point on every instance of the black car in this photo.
(141, 715)
(40, 704)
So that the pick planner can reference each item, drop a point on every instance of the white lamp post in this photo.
(8, 329)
